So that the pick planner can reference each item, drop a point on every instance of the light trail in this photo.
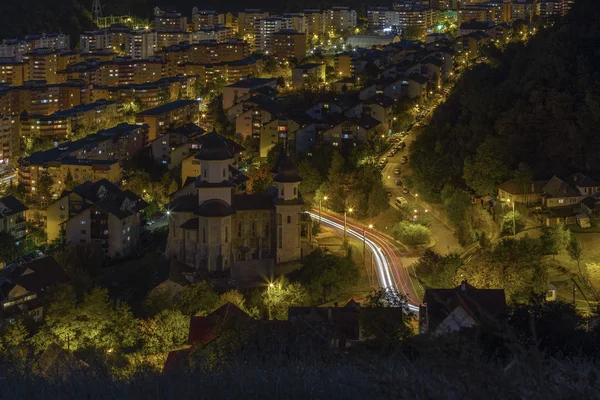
(384, 273)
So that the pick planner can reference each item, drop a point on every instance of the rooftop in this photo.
(165, 108)
(252, 83)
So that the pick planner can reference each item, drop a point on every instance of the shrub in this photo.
(411, 234)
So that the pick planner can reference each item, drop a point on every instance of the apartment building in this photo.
(288, 45)
(415, 15)
(151, 94)
(9, 138)
(141, 44)
(13, 73)
(340, 19)
(315, 24)
(171, 115)
(170, 22)
(40, 98)
(63, 124)
(59, 165)
(246, 23)
(230, 72)
(42, 65)
(218, 33)
(16, 48)
(99, 212)
(264, 28)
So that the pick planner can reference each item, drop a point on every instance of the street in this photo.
(445, 242)
(391, 273)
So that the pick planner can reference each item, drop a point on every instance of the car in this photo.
(405, 190)
(159, 215)
(389, 194)
(391, 154)
(150, 222)
(403, 161)
(400, 201)
(401, 145)
(397, 171)
(398, 182)
(381, 167)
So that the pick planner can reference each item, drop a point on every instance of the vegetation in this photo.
(498, 117)
(411, 234)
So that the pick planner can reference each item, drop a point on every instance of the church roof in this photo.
(287, 170)
(214, 208)
(213, 147)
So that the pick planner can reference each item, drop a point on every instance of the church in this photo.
(214, 225)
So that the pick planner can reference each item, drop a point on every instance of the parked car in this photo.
(389, 194)
(400, 201)
(403, 160)
(397, 171)
(159, 215)
(398, 182)
(405, 190)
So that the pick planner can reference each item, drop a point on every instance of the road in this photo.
(445, 242)
(390, 271)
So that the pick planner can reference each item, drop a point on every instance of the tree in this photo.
(197, 299)
(512, 222)
(485, 171)
(158, 300)
(458, 203)
(575, 250)
(444, 273)
(9, 250)
(555, 239)
(411, 234)
(260, 179)
(281, 295)
(166, 331)
(326, 275)
(82, 262)
(378, 200)
(95, 323)
(311, 178)
(44, 186)
(385, 316)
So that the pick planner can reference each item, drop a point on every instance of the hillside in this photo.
(537, 106)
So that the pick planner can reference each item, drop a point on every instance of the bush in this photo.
(411, 234)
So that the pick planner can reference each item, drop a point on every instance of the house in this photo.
(253, 116)
(180, 276)
(204, 330)
(24, 287)
(308, 74)
(99, 212)
(345, 84)
(339, 325)
(12, 217)
(171, 148)
(413, 86)
(171, 115)
(559, 193)
(344, 131)
(279, 130)
(450, 310)
(521, 193)
(473, 42)
(584, 184)
(233, 93)
(381, 108)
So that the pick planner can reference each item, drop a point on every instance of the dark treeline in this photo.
(535, 107)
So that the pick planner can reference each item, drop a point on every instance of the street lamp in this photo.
(514, 222)
(324, 198)
(345, 221)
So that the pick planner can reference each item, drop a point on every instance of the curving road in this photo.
(390, 271)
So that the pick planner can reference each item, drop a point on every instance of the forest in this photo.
(532, 110)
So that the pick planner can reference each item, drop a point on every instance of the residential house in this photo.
(12, 217)
(171, 115)
(308, 74)
(101, 213)
(25, 287)
(174, 146)
(232, 94)
(560, 193)
(344, 131)
(530, 192)
(450, 310)
(381, 108)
